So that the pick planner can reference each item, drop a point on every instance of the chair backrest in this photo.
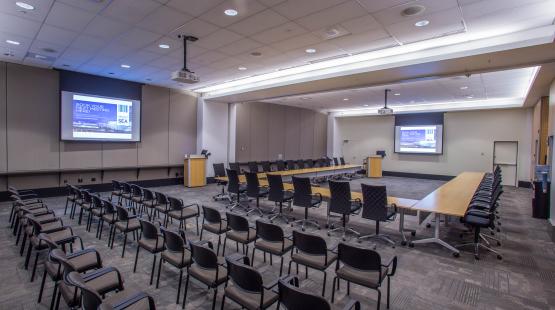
(211, 215)
(291, 165)
(374, 206)
(309, 163)
(175, 203)
(235, 166)
(340, 197)
(136, 190)
(233, 181)
(126, 187)
(309, 243)
(300, 164)
(237, 222)
(342, 160)
(293, 298)
(266, 166)
(219, 170)
(116, 186)
(253, 186)
(335, 161)
(149, 229)
(253, 166)
(97, 201)
(358, 257)
(204, 256)
(91, 300)
(123, 214)
(174, 241)
(108, 206)
(148, 194)
(269, 232)
(276, 187)
(86, 195)
(244, 276)
(161, 198)
(280, 165)
(302, 195)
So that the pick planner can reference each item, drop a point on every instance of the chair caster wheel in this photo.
(476, 257)
(498, 243)
(303, 229)
(393, 246)
(428, 225)
(499, 257)
(456, 254)
(403, 243)
(413, 233)
(411, 245)
(344, 239)
(460, 236)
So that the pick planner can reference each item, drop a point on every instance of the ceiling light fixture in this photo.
(345, 99)
(366, 105)
(125, 66)
(12, 42)
(231, 12)
(242, 68)
(464, 87)
(310, 50)
(305, 98)
(469, 97)
(25, 6)
(397, 94)
(422, 23)
(164, 46)
(40, 56)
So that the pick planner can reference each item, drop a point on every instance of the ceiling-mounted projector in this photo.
(385, 110)
(185, 75)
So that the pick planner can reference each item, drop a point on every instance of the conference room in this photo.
(277, 154)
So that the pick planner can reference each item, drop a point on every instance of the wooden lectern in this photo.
(194, 174)
(374, 166)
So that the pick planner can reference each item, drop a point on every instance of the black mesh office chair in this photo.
(291, 165)
(303, 197)
(280, 165)
(335, 161)
(376, 208)
(293, 298)
(309, 163)
(278, 195)
(253, 166)
(254, 190)
(219, 171)
(363, 267)
(342, 160)
(300, 164)
(235, 189)
(341, 203)
(266, 166)
(235, 166)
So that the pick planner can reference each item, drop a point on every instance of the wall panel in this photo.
(77, 155)
(292, 133)
(3, 145)
(243, 136)
(276, 131)
(320, 135)
(182, 126)
(306, 133)
(259, 132)
(154, 146)
(119, 154)
(32, 118)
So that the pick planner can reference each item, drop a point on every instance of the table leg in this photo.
(436, 239)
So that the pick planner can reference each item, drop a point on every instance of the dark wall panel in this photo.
(276, 131)
(183, 126)
(154, 146)
(243, 130)
(307, 133)
(259, 131)
(3, 145)
(292, 133)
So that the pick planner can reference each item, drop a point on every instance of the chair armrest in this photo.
(289, 236)
(203, 242)
(237, 257)
(81, 253)
(352, 304)
(100, 272)
(130, 301)
(393, 264)
(334, 249)
(318, 196)
(134, 216)
(271, 285)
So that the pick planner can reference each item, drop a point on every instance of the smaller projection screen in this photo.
(88, 117)
(420, 139)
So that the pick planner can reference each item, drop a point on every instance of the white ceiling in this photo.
(484, 89)
(97, 36)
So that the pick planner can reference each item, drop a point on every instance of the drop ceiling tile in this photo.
(75, 54)
(86, 42)
(166, 63)
(30, 61)
(164, 20)
(258, 22)
(56, 35)
(239, 47)
(270, 3)
(208, 57)
(19, 26)
(482, 8)
(393, 15)
(40, 47)
(367, 41)
(68, 17)
(94, 6)
(173, 43)
(378, 5)
(279, 33)
(324, 51)
(296, 42)
(218, 39)
(24, 42)
(106, 28)
(361, 24)
(226, 63)
(195, 27)
(11, 55)
(294, 9)
(245, 8)
(141, 57)
(266, 51)
(194, 8)
(331, 16)
(138, 38)
(38, 14)
(130, 11)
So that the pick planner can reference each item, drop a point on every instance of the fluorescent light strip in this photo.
(471, 44)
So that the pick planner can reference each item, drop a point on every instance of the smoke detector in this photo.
(413, 10)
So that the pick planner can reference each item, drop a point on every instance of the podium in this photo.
(374, 166)
(194, 174)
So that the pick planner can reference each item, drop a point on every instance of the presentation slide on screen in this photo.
(99, 118)
(418, 139)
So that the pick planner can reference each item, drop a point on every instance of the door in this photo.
(505, 155)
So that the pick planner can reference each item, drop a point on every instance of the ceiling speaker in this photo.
(413, 10)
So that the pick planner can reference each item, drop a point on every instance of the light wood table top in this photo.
(453, 197)
(313, 170)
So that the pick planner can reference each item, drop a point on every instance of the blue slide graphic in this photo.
(99, 117)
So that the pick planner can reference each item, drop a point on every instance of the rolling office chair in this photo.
(309, 163)
(294, 298)
(219, 171)
(266, 166)
(291, 165)
(335, 161)
(235, 189)
(253, 166)
(236, 167)
(342, 160)
(341, 203)
(303, 197)
(300, 164)
(278, 195)
(280, 165)
(254, 190)
(375, 208)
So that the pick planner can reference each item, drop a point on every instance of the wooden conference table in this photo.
(308, 172)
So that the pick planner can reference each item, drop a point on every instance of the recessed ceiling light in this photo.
(464, 87)
(231, 12)
(469, 97)
(40, 56)
(163, 46)
(242, 68)
(305, 98)
(397, 94)
(12, 42)
(422, 23)
(125, 66)
(65, 65)
(310, 50)
(25, 6)
(345, 99)
(366, 105)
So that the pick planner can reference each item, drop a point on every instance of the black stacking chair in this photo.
(239, 231)
(363, 267)
(125, 193)
(376, 208)
(335, 161)
(236, 189)
(72, 195)
(152, 241)
(271, 240)
(341, 203)
(311, 251)
(117, 190)
(300, 164)
(253, 166)
(303, 197)
(342, 160)
(213, 222)
(182, 212)
(206, 269)
(266, 166)
(219, 171)
(291, 165)
(294, 298)
(309, 163)
(95, 211)
(137, 197)
(254, 190)
(278, 195)
(85, 203)
(149, 202)
(126, 223)
(162, 205)
(248, 289)
(108, 215)
(280, 165)
(177, 254)
(236, 167)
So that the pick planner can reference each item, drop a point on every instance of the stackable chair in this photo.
(85, 204)
(151, 241)
(239, 231)
(254, 190)
(376, 208)
(341, 203)
(294, 298)
(177, 254)
(278, 195)
(181, 212)
(108, 215)
(117, 190)
(219, 171)
(162, 205)
(95, 211)
(303, 197)
(213, 222)
(291, 165)
(149, 202)
(271, 240)
(125, 223)
(137, 197)
(280, 165)
(125, 193)
(253, 167)
(266, 166)
(363, 267)
(72, 195)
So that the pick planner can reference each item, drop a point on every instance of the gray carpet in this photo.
(428, 277)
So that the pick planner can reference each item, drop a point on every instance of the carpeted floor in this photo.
(428, 277)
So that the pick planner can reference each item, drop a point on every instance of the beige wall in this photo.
(264, 131)
(30, 142)
(468, 141)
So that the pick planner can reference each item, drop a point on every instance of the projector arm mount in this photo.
(185, 39)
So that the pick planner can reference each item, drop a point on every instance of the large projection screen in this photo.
(419, 139)
(87, 117)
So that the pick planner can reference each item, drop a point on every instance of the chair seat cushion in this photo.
(133, 225)
(109, 217)
(137, 199)
(365, 278)
(215, 227)
(276, 248)
(185, 213)
(178, 259)
(242, 236)
(111, 301)
(150, 244)
(250, 300)
(102, 284)
(314, 261)
(56, 236)
(161, 208)
(86, 205)
(208, 276)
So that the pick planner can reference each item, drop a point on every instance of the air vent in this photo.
(41, 57)
(48, 50)
(332, 32)
(413, 10)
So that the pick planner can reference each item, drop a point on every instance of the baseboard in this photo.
(551, 223)
(525, 184)
(418, 175)
(61, 191)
